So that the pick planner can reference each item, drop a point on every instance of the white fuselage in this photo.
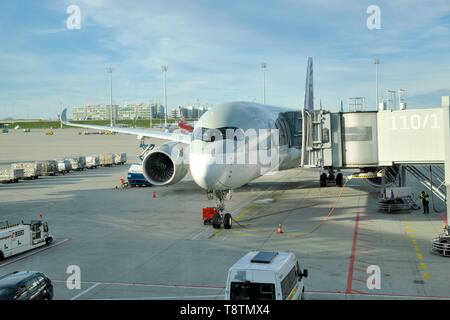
(227, 162)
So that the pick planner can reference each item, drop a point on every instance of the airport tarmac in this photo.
(130, 245)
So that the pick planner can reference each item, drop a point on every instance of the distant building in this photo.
(129, 111)
(90, 112)
(189, 112)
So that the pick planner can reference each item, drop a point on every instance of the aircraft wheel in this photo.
(323, 180)
(227, 221)
(339, 180)
(216, 221)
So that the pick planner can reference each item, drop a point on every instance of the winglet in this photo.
(64, 116)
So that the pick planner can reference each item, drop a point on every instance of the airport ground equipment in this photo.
(31, 170)
(441, 244)
(49, 167)
(261, 275)
(136, 176)
(18, 238)
(75, 164)
(92, 162)
(11, 175)
(107, 159)
(64, 166)
(120, 158)
(208, 214)
(78, 163)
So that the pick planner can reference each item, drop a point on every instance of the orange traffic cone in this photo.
(280, 229)
(154, 194)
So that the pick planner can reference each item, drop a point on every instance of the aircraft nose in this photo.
(207, 173)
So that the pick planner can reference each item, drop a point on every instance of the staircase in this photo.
(432, 178)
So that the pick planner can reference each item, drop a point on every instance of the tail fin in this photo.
(309, 86)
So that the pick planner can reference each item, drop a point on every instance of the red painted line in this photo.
(360, 292)
(353, 256)
(366, 246)
(360, 280)
(368, 263)
(366, 240)
(364, 253)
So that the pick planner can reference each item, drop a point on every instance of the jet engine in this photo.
(167, 164)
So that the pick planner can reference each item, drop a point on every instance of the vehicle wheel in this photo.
(323, 180)
(227, 221)
(339, 180)
(2, 257)
(48, 240)
(216, 222)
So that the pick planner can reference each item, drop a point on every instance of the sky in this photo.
(214, 49)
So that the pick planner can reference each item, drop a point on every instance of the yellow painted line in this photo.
(412, 236)
(419, 256)
(414, 242)
(426, 276)
(418, 250)
(423, 266)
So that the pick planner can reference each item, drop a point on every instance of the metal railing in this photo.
(432, 178)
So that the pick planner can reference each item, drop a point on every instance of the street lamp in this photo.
(376, 62)
(110, 70)
(264, 67)
(164, 69)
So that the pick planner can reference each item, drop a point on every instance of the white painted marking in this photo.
(131, 284)
(85, 291)
(33, 252)
(199, 234)
(167, 298)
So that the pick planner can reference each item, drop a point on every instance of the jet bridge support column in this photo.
(441, 244)
(446, 123)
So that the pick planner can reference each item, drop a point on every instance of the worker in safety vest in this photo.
(424, 197)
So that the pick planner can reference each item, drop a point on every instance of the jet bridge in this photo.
(378, 139)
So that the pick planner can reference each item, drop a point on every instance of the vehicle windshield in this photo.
(252, 291)
(6, 293)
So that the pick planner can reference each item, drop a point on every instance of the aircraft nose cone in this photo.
(208, 174)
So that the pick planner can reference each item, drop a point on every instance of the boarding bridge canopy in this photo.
(374, 138)
(413, 136)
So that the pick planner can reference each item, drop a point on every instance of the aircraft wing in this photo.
(172, 136)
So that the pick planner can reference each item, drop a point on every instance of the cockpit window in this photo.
(216, 134)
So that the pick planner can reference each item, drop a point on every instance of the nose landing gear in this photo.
(215, 215)
(331, 178)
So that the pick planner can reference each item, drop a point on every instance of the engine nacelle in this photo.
(167, 164)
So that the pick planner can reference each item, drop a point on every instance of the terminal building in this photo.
(132, 111)
(129, 111)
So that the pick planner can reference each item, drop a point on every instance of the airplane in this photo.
(223, 135)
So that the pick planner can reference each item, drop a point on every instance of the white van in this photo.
(263, 275)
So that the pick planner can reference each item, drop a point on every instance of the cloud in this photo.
(214, 49)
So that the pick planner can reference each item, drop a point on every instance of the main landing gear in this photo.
(332, 178)
(215, 215)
